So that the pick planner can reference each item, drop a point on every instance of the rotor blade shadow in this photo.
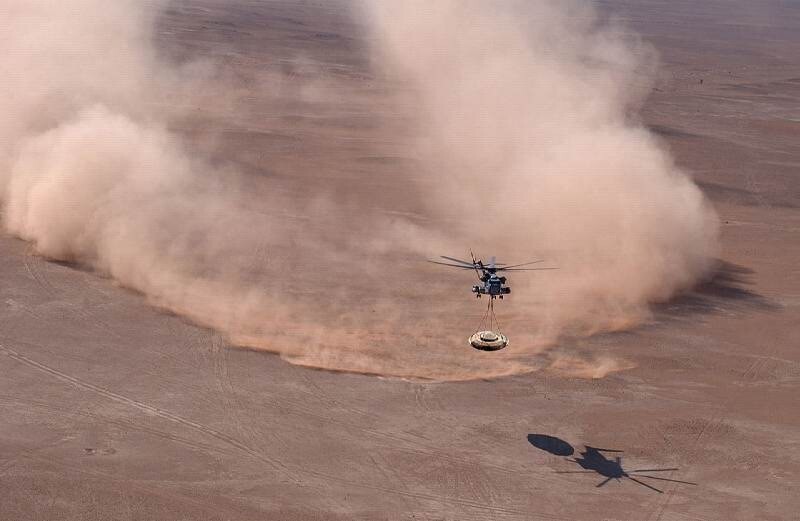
(596, 460)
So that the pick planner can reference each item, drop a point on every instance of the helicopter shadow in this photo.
(593, 460)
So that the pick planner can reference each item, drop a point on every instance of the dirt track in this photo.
(115, 410)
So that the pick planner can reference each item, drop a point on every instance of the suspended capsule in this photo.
(488, 341)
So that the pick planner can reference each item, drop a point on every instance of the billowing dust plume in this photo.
(526, 144)
(529, 130)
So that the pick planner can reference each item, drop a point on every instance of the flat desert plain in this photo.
(113, 408)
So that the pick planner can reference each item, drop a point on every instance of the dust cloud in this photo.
(527, 144)
(529, 126)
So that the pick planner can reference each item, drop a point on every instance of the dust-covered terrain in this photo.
(189, 185)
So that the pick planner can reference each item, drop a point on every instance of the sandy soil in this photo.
(115, 410)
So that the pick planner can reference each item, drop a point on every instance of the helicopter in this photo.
(492, 284)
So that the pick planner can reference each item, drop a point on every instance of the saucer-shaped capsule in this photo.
(488, 341)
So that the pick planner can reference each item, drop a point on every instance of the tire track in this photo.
(462, 502)
(758, 365)
(752, 185)
(229, 397)
(34, 269)
(709, 426)
(322, 396)
(419, 400)
(35, 273)
(243, 448)
(149, 409)
(202, 447)
(469, 468)
(136, 485)
(400, 443)
(384, 469)
(28, 453)
(407, 442)
(224, 390)
(422, 399)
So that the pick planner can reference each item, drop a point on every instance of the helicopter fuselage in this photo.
(492, 285)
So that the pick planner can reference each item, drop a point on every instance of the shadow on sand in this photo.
(593, 461)
(77, 266)
(725, 290)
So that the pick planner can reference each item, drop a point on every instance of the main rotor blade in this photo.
(524, 269)
(653, 470)
(524, 264)
(470, 264)
(452, 265)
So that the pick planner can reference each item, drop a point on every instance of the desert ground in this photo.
(113, 408)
